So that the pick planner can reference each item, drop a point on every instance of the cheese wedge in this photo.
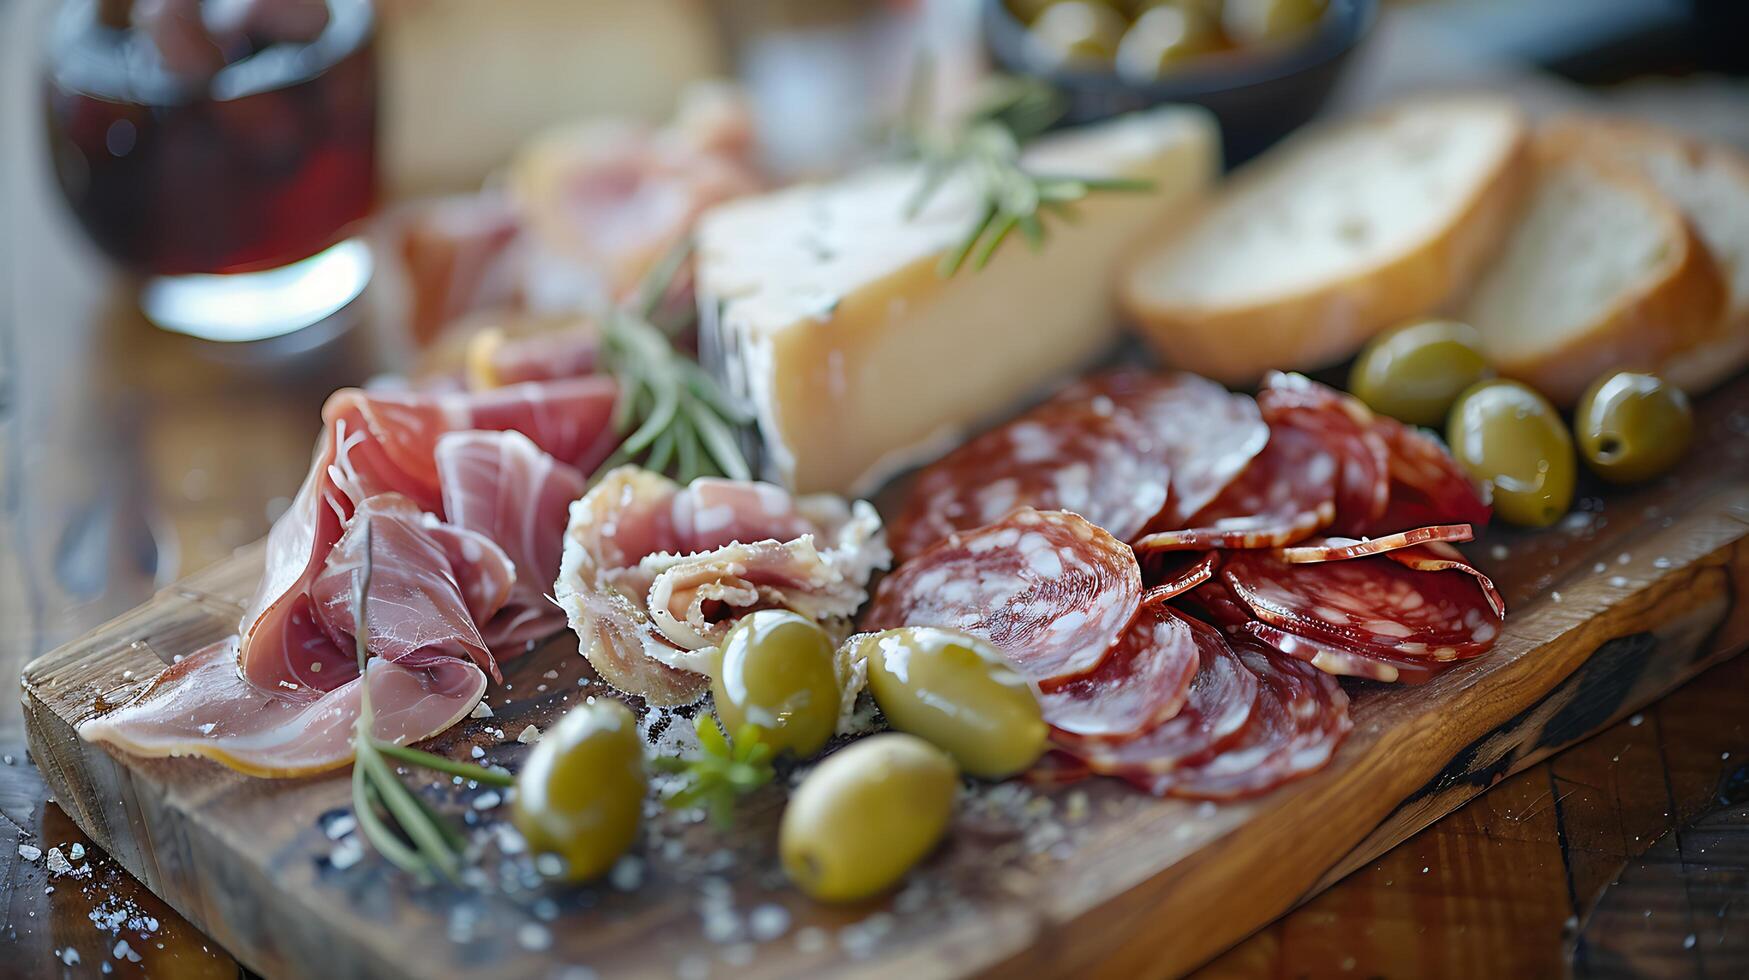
(823, 306)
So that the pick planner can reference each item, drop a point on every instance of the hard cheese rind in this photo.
(823, 306)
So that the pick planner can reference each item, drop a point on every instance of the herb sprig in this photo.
(986, 148)
(402, 827)
(675, 416)
(722, 774)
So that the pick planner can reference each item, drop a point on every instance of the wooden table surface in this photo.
(129, 456)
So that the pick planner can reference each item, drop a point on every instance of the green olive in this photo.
(1633, 426)
(1078, 33)
(956, 691)
(1414, 372)
(581, 793)
(1165, 37)
(1510, 437)
(776, 672)
(865, 815)
(1264, 21)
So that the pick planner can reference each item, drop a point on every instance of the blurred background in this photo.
(214, 212)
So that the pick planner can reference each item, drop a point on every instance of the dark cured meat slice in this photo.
(1285, 494)
(1300, 718)
(1440, 557)
(1346, 662)
(1206, 433)
(1182, 580)
(1347, 428)
(1046, 587)
(1217, 604)
(1427, 485)
(1220, 703)
(1143, 681)
(1086, 456)
(1368, 603)
(1339, 549)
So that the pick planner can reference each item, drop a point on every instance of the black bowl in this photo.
(1258, 96)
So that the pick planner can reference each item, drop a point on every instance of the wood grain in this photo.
(1635, 607)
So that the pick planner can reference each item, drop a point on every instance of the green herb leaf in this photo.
(722, 773)
(984, 150)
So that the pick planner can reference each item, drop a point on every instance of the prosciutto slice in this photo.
(654, 574)
(442, 478)
(430, 583)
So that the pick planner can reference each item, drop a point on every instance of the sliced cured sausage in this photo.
(1084, 456)
(1427, 486)
(1344, 661)
(1143, 681)
(1301, 716)
(1369, 603)
(1048, 588)
(1182, 580)
(1347, 429)
(1438, 557)
(1205, 433)
(1337, 549)
(1286, 494)
(1220, 702)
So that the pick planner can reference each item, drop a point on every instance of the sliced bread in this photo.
(1341, 232)
(1601, 272)
(1710, 183)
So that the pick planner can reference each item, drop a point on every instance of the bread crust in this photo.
(1327, 323)
(1647, 324)
(1724, 351)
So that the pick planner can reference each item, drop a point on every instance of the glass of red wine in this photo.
(223, 150)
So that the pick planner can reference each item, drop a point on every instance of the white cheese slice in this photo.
(822, 304)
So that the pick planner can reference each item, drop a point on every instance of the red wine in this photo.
(265, 163)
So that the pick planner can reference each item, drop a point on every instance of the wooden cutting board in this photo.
(1635, 593)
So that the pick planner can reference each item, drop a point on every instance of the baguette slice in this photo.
(1710, 183)
(1341, 232)
(1602, 272)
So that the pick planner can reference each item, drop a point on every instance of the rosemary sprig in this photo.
(722, 774)
(675, 416)
(986, 148)
(403, 828)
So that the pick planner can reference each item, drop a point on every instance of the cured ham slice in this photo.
(502, 486)
(1047, 588)
(1143, 681)
(1081, 455)
(201, 706)
(1369, 603)
(1216, 710)
(1205, 434)
(654, 574)
(1286, 493)
(1300, 717)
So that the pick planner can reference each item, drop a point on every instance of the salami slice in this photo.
(1301, 716)
(1369, 603)
(1083, 456)
(1056, 768)
(1348, 662)
(1182, 580)
(1218, 707)
(1427, 485)
(1049, 589)
(1286, 494)
(1439, 557)
(1216, 603)
(1347, 429)
(1337, 549)
(1143, 682)
(1205, 433)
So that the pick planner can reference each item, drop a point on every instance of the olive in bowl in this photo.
(1245, 61)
